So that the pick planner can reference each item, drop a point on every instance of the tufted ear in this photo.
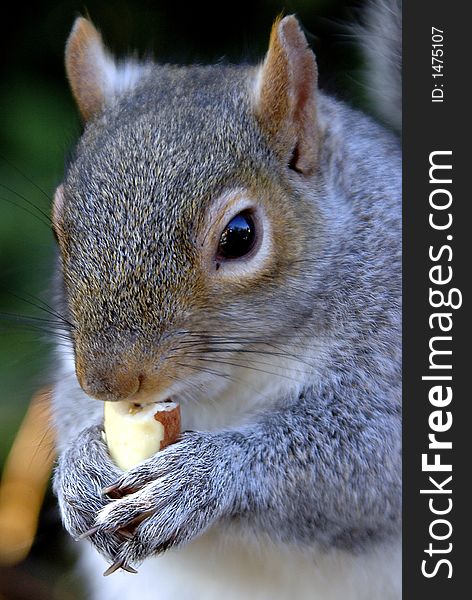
(285, 96)
(94, 75)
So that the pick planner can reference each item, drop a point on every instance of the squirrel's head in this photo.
(184, 220)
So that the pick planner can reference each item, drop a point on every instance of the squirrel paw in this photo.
(82, 472)
(167, 500)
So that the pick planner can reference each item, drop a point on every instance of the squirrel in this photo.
(230, 237)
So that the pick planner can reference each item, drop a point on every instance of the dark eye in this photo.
(238, 238)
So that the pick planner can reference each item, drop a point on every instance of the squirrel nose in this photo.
(112, 385)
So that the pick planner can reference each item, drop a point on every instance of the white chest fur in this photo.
(212, 568)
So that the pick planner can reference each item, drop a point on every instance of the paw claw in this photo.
(88, 533)
(114, 567)
(127, 529)
(128, 535)
(112, 491)
(129, 569)
(119, 564)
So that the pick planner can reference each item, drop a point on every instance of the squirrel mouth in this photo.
(139, 405)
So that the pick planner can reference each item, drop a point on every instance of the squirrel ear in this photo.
(93, 74)
(285, 96)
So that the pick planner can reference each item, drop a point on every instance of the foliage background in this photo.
(38, 126)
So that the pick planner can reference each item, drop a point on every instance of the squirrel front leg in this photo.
(325, 472)
(307, 473)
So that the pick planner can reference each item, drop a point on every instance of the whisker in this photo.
(205, 370)
(233, 351)
(227, 377)
(208, 348)
(32, 204)
(46, 307)
(33, 319)
(246, 367)
(26, 209)
(52, 336)
(234, 337)
(33, 183)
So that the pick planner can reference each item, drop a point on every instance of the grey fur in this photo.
(321, 466)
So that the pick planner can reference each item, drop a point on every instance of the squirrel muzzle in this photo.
(111, 375)
(109, 378)
(111, 385)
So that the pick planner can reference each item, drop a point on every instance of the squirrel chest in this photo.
(216, 566)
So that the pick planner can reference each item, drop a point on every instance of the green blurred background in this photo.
(38, 126)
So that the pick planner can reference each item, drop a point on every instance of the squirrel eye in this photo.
(238, 237)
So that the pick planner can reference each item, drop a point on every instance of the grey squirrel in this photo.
(230, 237)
